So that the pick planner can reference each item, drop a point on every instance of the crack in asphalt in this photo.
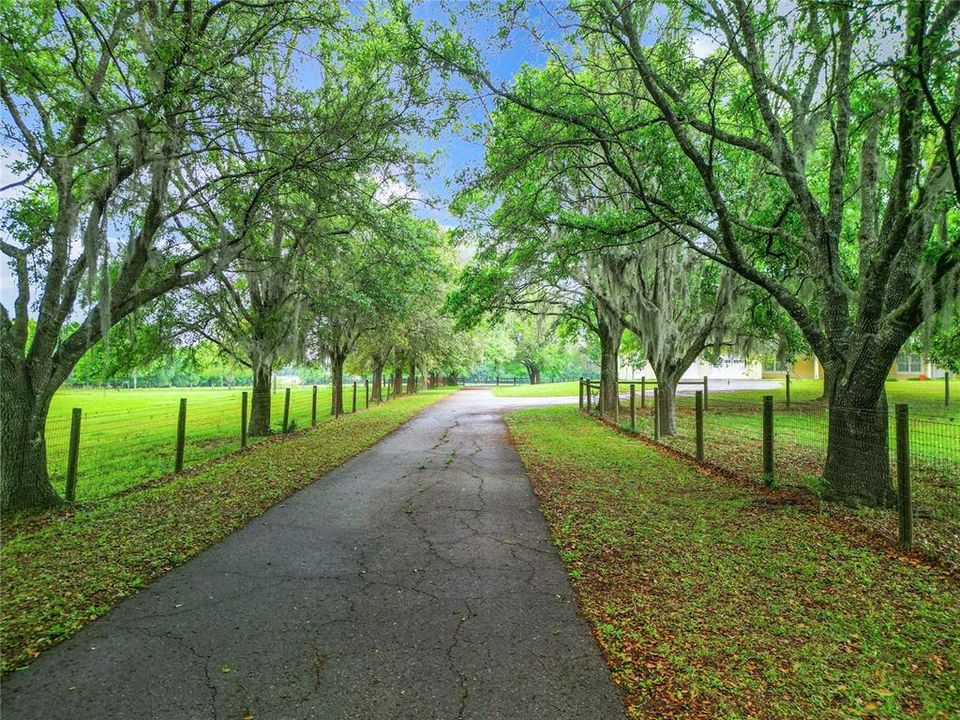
(464, 680)
(204, 659)
(415, 581)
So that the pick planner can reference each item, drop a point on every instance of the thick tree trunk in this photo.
(610, 331)
(412, 378)
(336, 371)
(533, 372)
(259, 424)
(24, 483)
(667, 399)
(609, 386)
(397, 380)
(376, 394)
(668, 377)
(857, 469)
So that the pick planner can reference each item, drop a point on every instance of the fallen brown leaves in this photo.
(712, 597)
(66, 567)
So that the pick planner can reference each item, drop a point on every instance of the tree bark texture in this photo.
(260, 407)
(610, 330)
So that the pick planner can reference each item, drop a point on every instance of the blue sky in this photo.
(457, 151)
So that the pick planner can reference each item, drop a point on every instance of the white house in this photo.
(729, 368)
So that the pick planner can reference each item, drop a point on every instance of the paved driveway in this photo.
(416, 581)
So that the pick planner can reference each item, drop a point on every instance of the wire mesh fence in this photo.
(795, 453)
(123, 448)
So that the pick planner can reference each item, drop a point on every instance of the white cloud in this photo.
(701, 44)
(8, 284)
(391, 190)
(391, 187)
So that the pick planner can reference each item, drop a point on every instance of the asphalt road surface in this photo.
(416, 581)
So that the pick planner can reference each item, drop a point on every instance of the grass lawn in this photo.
(569, 388)
(129, 436)
(733, 441)
(65, 567)
(923, 396)
(715, 600)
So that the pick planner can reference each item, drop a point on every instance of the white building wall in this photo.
(729, 369)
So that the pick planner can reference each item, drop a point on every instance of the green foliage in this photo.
(244, 150)
(143, 342)
(945, 349)
(617, 138)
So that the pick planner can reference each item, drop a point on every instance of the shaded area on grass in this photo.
(66, 567)
(712, 599)
(733, 442)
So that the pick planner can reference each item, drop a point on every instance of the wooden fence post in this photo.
(313, 407)
(581, 393)
(366, 393)
(656, 415)
(589, 388)
(286, 410)
(181, 435)
(354, 396)
(699, 425)
(243, 419)
(788, 388)
(903, 477)
(946, 388)
(643, 391)
(706, 393)
(768, 440)
(73, 456)
(633, 407)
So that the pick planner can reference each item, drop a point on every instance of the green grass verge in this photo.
(129, 436)
(732, 429)
(63, 568)
(712, 599)
(733, 441)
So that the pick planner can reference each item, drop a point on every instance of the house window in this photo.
(909, 364)
(775, 366)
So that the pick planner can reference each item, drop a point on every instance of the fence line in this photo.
(731, 436)
(92, 455)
